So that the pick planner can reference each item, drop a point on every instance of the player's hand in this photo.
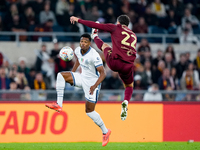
(73, 19)
(92, 88)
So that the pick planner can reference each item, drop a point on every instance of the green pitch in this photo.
(97, 146)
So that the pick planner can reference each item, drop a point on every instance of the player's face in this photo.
(84, 43)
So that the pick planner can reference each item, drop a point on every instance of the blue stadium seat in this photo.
(58, 28)
(196, 30)
(158, 30)
(5, 38)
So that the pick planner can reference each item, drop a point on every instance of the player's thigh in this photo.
(73, 78)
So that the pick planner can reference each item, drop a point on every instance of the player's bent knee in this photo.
(128, 85)
(67, 76)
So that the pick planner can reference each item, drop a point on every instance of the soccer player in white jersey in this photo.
(93, 73)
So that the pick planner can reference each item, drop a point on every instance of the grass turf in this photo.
(97, 146)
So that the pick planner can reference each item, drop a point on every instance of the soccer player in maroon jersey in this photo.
(121, 57)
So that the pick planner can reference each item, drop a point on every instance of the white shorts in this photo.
(85, 84)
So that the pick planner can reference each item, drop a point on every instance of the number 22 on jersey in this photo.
(132, 44)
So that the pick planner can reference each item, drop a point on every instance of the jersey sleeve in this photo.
(97, 60)
(105, 27)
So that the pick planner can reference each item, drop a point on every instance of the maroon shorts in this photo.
(124, 69)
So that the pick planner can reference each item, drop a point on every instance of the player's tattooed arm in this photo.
(102, 76)
(76, 64)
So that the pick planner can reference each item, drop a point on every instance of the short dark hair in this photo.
(86, 36)
(123, 20)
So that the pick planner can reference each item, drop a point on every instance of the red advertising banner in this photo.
(181, 122)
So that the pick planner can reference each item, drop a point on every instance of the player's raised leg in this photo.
(60, 85)
(89, 108)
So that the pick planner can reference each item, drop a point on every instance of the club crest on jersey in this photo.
(86, 62)
(82, 60)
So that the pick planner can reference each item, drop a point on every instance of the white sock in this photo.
(97, 119)
(60, 85)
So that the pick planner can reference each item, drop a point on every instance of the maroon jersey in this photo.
(123, 39)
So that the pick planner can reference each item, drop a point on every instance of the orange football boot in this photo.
(54, 106)
(106, 138)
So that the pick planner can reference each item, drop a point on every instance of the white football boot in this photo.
(124, 110)
(94, 32)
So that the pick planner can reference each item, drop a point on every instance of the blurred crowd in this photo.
(147, 16)
(162, 72)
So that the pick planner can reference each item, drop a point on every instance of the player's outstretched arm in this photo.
(75, 65)
(91, 24)
(100, 79)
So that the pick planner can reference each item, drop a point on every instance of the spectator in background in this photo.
(188, 81)
(157, 59)
(170, 49)
(1, 59)
(178, 8)
(4, 80)
(153, 94)
(181, 65)
(173, 74)
(150, 18)
(197, 62)
(141, 26)
(12, 74)
(133, 18)
(1, 24)
(31, 78)
(9, 16)
(187, 55)
(147, 57)
(45, 65)
(62, 7)
(166, 80)
(169, 62)
(39, 83)
(22, 5)
(113, 82)
(140, 7)
(109, 16)
(22, 66)
(30, 17)
(143, 47)
(148, 72)
(18, 25)
(92, 14)
(157, 73)
(37, 6)
(187, 36)
(47, 14)
(188, 17)
(170, 22)
(158, 8)
(137, 83)
(195, 73)
(21, 80)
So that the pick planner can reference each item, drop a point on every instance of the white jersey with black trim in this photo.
(89, 63)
